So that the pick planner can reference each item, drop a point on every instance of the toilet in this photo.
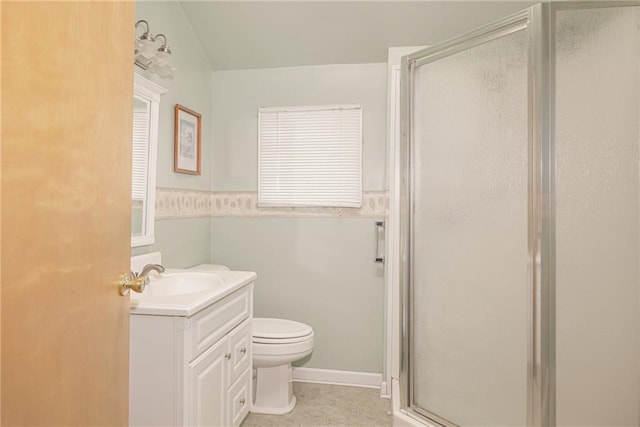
(277, 343)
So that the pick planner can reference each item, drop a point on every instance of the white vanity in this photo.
(191, 349)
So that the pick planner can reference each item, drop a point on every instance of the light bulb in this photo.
(148, 51)
(163, 57)
(166, 71)
(153, 65)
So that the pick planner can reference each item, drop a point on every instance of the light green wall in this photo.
(183, 242)
(319, 271)
(316, 270)
(191, 87)
(237, 95)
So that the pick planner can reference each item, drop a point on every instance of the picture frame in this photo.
(187, 156)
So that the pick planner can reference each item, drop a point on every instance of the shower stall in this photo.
(520, 222)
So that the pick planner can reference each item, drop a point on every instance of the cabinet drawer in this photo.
(239, 399)
(240, 349)
(213, 323)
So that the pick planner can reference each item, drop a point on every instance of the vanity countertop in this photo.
(185, 292)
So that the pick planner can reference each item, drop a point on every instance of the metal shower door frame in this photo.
(540, 22)
(541, 339)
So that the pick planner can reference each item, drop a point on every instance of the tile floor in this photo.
(330, 405)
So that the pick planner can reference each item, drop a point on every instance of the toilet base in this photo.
(274, 411)
(274, 390)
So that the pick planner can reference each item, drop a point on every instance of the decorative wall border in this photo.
(175, 203)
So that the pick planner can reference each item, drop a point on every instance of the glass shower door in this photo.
(522, 221)
(469, 256)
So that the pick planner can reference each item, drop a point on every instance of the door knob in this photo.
(138, 281)
(130, 281)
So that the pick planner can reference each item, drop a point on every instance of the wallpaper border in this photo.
(177, 203)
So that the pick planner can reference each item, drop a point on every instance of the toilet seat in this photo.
(280, 331)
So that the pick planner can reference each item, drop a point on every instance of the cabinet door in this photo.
(240, 349)
(207, 387)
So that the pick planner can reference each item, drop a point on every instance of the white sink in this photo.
(183, 283)
(185, 292)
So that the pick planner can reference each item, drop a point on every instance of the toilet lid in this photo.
(279, 329)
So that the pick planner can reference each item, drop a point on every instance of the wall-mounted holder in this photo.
(379, 242)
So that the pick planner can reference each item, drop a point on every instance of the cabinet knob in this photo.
(243, 350)
(227, 356)
(242, 401)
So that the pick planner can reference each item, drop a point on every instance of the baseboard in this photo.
(329, 376)
(385, 391)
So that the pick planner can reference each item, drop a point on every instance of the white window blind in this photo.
(140, 153)
(310, 156)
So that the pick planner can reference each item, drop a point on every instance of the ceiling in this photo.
(266, 34)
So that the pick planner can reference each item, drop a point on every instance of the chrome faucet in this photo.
(149, 268)
(138, 281)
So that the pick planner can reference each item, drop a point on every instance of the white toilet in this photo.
(277, 343)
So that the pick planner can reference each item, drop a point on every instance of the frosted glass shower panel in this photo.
(597, 216)
(470, 195)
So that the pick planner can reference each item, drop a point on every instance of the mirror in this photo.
(146, 103)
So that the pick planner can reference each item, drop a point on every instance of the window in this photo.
(310, 156)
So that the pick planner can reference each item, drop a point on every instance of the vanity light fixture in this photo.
(148, 57)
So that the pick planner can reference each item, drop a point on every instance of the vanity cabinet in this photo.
(193, 370)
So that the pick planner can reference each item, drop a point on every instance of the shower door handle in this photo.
(379, 237)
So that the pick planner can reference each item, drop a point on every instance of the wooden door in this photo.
(67, 85)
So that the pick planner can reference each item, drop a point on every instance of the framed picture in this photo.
(187, 137)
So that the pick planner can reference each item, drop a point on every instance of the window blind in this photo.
(140, 153)
(310, 156)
